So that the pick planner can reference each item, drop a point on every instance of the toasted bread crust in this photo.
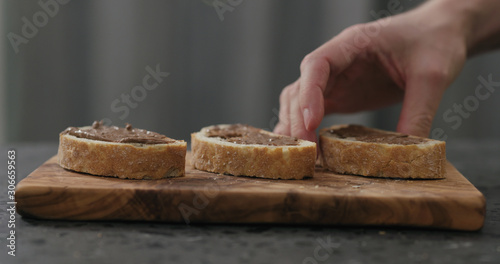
(418, 161)
(273, 162)
(122, 160)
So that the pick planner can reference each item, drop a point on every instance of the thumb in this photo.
(421, 101)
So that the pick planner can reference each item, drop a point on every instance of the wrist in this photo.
(477, 21)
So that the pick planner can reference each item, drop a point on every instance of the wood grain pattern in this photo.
(51, 192)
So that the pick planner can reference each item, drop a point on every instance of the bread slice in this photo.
(130, 160)
(242, 150)
(354, 149)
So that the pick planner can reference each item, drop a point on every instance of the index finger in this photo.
(316, 69)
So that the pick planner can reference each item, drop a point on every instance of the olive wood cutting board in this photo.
(51, 192)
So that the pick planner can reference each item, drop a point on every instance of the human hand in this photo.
(412, 57)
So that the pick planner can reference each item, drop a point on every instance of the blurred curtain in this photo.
(203, 62)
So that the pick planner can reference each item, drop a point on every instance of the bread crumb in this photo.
(381, 233)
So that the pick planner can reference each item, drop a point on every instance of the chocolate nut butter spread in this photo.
(361, 133)
(100, 132)
(248, 135)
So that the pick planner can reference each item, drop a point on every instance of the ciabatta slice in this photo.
(124, 159)
(354, 149)
(242, 150)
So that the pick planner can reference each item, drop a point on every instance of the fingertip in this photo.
(312, 120)
(307, 118)
(280, 129)
(417, 122)
(311, 136)
(304, 134)
(420, 104)
(315, 72)
(277, 129)
(419, 126)
(313, 111)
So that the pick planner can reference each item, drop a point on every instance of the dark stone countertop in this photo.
(39, 241)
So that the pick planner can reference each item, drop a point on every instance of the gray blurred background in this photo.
(85, 60)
